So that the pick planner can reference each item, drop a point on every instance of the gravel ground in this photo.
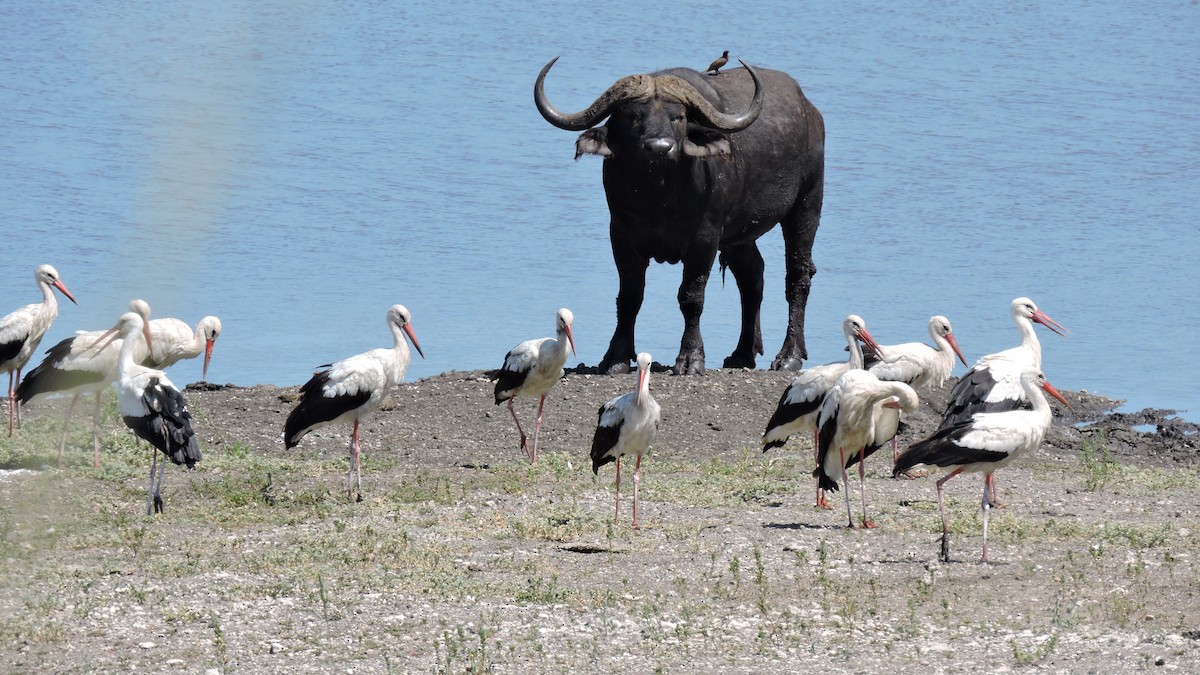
(462, 557)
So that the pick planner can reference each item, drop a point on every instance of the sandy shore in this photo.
(462, 557)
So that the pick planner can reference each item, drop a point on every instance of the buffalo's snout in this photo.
(664, 148)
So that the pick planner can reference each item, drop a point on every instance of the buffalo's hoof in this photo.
(789, 363)
(689, 366)
(734, 361)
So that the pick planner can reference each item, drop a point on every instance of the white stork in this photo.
(352, 388)
(73, 367)
(151, 406)
(175, 341)
(531, 369)
(985, 443)
(627, 425)
(800, 404)
(993, 384)
(22, 330)
(916, 364)
(846, 427)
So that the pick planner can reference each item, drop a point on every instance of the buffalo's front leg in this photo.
(696, 267)
(746, 263)
(631, 269)
(799, 230)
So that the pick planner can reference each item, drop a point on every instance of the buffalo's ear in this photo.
(704, 142)
(593, 142)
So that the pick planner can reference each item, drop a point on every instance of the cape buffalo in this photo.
(697, 165)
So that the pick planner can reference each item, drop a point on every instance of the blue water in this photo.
(297, 167)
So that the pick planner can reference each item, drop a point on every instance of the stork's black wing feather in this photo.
(315, 407)
(943, 448)
(786, 412)
(967, 398)
(168, 427)
(604, 440)
(47, 377)
(825, 436)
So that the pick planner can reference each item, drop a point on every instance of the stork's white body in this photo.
(847, 425)
(352, 388)
(627, 425)
(532, 368)
(174, 341)
(21, 331)
(985, 443)
(993, 384)
(917, 364)
(77, 366)
(800, 405)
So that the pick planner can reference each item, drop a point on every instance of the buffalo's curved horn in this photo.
(714, 118)
(633, 86)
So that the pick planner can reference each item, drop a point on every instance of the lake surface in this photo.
(297, 167)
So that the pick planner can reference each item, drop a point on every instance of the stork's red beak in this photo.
(62, 288)
(1054, 392)
(954, 346)
(870, 342)
(146, 335)
(103, 341)
(408, 330)
(208, 347)
(1040, 317)
(571, 340)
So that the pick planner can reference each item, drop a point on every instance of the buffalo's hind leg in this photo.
(746, 264)
(631, 268)
(799, 230)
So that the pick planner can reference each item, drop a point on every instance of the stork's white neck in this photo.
(125, 362)
(856, 352)
(1037, 397)
(1029, 339)
(49, 302)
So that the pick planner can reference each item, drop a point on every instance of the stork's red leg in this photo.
(846, 488)
(537, 429)
(96, 433)
(357, 460)
(62, 445)
(986, 504)
(637, 479)
(11, 403)
(942, 509)
(150, 488)
(822, 501)
(617, 513)
(524, 443)
(862, 485)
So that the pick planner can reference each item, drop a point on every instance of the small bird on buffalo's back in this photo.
(715, 66)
